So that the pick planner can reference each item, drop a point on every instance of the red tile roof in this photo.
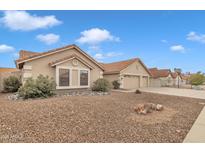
(2, 70)
(116, 67)
(174, 74)
(157, 73)
(27, 55)
(40, 53)
(154, 72)
(23, 54)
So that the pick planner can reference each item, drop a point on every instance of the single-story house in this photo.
(161, 77)
(164, 77)
(69, 66)
(131, 74)
(185, 79)
(72, 68)
(177, 79)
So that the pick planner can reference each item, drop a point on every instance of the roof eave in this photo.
(19, 61)
(111, 72)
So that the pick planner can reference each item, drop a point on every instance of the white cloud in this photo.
(94, 48)
(22, 20)
(193, 36)
(48, 38)
(114, 54)
(6, 48)
(101, 56)
(164, 41)
(95, 36)
(177, 48)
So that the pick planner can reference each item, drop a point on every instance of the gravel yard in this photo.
(109, 118)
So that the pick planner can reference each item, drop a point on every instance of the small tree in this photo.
(116, 84)
(101, 85)
(197, 79)
(11, 84)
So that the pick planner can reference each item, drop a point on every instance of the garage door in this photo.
(144, 81)
(131, 82)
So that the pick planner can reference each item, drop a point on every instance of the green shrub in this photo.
(11, 84)
(41, 87)
(45, 85)
(116, 84)
(101, 85)
(138, 91)
(197, 79)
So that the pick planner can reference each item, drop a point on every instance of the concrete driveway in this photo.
(176, 92)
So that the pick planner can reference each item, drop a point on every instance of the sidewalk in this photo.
(176, 92)
(197, 132)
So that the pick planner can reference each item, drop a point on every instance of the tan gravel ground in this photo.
(109, 118)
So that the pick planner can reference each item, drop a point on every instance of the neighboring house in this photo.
(70, 67)
(131, 74)
(6, 72)
(185, 79)
(161, 77)
(177, 79)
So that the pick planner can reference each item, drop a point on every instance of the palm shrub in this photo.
(116, 84)
(11, 84)
(43, 86)
(101, 85)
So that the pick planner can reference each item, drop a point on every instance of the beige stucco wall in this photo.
(155, 82)
(131, 82)
(111, 78)
(145, 81)
(179, 81)
(41, 65)
(183, 82)
(136, 69)
(69, 63)
(163, 81)
(167, 81)
(75, 77)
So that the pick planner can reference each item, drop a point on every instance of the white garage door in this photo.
(144, 81)
(131, 82)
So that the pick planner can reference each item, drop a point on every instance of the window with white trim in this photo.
(64, 77)
(83, 78)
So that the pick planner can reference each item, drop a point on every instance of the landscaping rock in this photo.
(13, 96)
(178, 131)
(95, 119)
(148, 108)
(159, 107)
(86, 93)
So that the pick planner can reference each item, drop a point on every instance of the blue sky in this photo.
(163, 39)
